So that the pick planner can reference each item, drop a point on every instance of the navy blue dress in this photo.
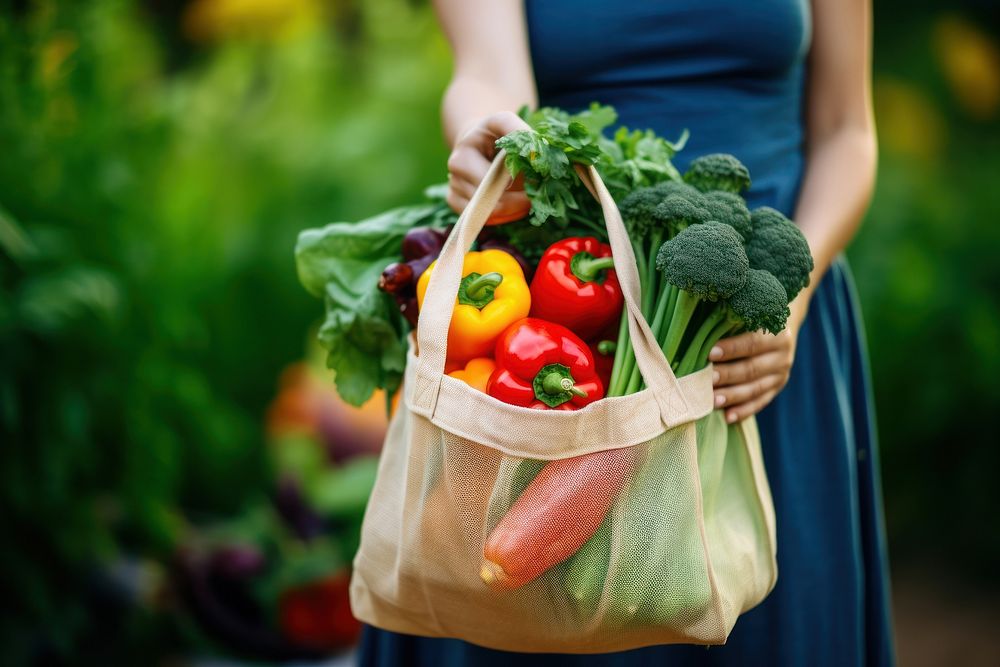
(732, 72)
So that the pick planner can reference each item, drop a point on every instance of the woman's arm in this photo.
(492, 78)
(839, 176)
(841, 153)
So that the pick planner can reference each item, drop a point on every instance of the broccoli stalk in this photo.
(760, 304)
(704, 257)
(648, 225)
(637, 211)
(704, 263)
(657, 214)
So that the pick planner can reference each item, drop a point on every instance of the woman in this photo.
(785, 86)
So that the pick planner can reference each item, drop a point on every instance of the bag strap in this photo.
(442, 288)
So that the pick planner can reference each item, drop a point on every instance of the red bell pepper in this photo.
(544, 365)
(575, 285)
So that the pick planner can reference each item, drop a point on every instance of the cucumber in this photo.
(660, 573)
(585, 571)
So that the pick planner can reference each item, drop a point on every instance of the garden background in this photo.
(158, 159)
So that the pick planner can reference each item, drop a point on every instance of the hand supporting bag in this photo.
(687, 546)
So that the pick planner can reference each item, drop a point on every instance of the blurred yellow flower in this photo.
(970, 60)
(908, 122)
(270, 20)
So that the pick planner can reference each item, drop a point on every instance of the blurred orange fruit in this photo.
(309, 405)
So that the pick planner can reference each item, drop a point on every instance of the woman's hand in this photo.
(751, 368)
(470, 160)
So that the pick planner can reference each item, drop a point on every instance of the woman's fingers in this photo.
(749, 368)
(513, 205)
(738, 394)
(456, 201)
(470, 160)
(746, 345)
(751, 407)
(495, 126)
(468, 164)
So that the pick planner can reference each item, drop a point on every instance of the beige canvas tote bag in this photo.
(688, 545)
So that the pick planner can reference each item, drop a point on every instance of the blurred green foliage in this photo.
(926, 267)
(157, 164)
(149, 295)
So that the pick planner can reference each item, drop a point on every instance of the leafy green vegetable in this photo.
(638, 158)
(363, 331)
(545, 156)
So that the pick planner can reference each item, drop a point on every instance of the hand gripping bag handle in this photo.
(671, 395)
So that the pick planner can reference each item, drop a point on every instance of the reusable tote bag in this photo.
(687, 546)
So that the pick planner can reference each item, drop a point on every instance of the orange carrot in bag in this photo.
(555, 515)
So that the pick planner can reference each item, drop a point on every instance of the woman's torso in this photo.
(729, 71)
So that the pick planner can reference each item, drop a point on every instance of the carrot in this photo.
(555, 515)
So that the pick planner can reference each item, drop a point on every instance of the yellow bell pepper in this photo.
(476, 373)
(492, 295)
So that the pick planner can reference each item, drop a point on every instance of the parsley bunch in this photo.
(545, 156)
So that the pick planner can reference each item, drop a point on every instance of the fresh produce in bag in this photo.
(587, 513)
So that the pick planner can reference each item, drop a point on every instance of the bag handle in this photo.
(442, 288)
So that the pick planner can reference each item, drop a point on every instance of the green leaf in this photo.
(363, 331)
(363, 339)
(545, 156)
(341, 251)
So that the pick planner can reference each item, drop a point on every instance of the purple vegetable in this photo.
(401, 278)
(419, 265)
(396, 278)
(421, 246)
(421, 241)
(408, 306)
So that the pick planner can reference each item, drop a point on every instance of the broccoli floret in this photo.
(637, 211)
(779, 247)
(703, 262)
(760, 304)
(707, 260)
(653, 215)
(667, 188)
(718, 171)
(677, 211)
(729, 208)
